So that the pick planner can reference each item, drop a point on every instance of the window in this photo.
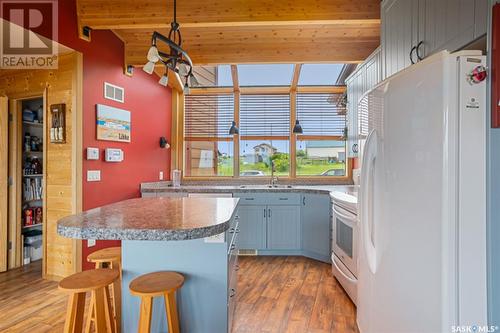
(264, 134)
(213, 76)
(265, 101)
(265, 75)
(321, 149)
(320, 74)
(208, 147)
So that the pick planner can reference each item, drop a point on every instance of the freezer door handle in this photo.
(366, 196)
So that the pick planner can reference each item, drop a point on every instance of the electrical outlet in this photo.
(161, 175)
(93, 175)
(90, 242)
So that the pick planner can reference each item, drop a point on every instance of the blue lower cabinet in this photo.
(283, 228)
(252, 226)
(316, 226)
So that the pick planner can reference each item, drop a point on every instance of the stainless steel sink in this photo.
(266, 186)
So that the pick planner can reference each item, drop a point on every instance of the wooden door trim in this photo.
(4, 167)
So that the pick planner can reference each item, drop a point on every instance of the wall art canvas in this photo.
(113, 124)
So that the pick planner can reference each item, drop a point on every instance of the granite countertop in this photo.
(152, 219)
(163, 187)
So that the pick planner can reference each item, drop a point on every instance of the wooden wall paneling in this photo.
(61, 183)
(62, 162)
(4, 166)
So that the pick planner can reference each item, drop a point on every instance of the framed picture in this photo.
(113, 124)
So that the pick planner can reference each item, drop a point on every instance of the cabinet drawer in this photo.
(268, 198)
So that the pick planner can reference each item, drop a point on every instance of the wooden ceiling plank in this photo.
(120, 14)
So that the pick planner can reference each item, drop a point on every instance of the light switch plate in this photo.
(92, 153)
(93, 175)
(161, 175)
(90, 242)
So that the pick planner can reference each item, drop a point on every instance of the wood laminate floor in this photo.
(275, 294)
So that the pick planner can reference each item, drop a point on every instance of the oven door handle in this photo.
(348, 278)
(344, 216)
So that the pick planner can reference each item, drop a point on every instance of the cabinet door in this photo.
(480, 17)
(399, 30)
(252, 225)
(445, 25)
(283, 228)
(316, 226)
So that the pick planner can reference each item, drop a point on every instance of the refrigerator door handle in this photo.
(366, 190)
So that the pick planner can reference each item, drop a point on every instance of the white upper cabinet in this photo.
(399, 33)
(415, 29)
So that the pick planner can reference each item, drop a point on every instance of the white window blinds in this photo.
(321, 114)
(265, 115)
(208, 116)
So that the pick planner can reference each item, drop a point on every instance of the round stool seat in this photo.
(89, 280)
(105, 255)
(156, 283)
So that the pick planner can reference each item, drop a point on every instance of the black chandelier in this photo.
(176, 60)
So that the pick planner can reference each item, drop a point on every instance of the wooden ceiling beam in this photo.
(332, 52)
(295, 78)
(234, 75)
(154, 14)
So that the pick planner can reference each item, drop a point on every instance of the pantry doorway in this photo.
(27, 140)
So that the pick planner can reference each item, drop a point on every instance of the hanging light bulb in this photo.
(193, 81)
(234, 129)
(149, 67)
(164, 79)
(297, 129)
(153, 54)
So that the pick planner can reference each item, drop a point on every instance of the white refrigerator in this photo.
(422, 262)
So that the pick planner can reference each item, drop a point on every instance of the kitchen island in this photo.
(196, 237)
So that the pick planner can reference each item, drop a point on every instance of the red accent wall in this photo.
(150, 107)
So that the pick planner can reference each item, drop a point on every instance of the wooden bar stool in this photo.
(155, 284)
(112, 257)
(96, 282)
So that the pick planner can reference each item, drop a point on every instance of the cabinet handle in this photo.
(283, 198)
(418, 49)
(265, 213)
(269, 212)
(233, 292)
(304, 201)
(249, 198)
(411, 54)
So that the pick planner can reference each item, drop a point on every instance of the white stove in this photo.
(345, 239)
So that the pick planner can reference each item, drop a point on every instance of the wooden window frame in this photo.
(178, 149)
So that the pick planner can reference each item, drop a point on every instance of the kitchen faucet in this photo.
(274, 180)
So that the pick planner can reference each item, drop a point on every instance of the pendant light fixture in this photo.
(177, 60)
(297, 129)
(234, 129)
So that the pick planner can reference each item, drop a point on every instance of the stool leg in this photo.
(110, 320)
(100, 310)
(90, 315)
(145, 315)
(117, 298)
(172, 316)
(74, 314)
